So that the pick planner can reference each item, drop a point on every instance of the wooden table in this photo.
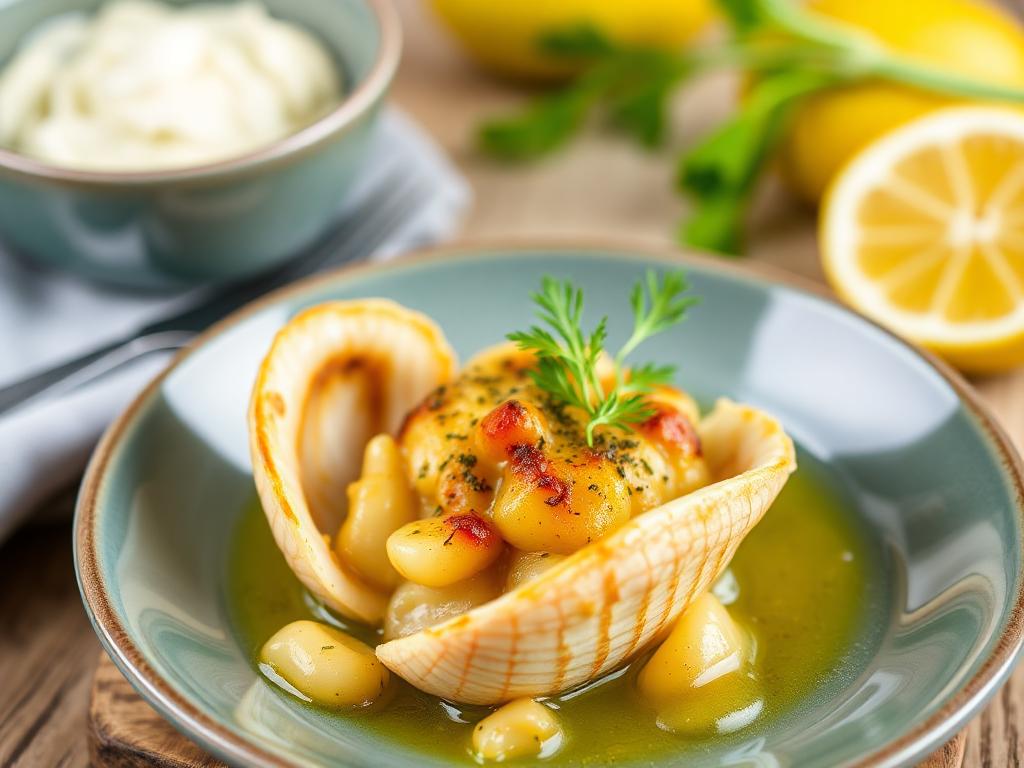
(601, 186)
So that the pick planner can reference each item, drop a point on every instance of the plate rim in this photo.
(917, 742)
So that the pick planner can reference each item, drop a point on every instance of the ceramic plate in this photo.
(927, 474)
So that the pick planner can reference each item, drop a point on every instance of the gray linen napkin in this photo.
(47, 317)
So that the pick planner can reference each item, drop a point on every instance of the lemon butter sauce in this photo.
(798, 584)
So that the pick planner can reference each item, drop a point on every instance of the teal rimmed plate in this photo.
(928, 474)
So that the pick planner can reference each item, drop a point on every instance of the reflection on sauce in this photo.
(798, 584)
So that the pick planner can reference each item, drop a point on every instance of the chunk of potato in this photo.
(464, 488)
(424, 439)
(704, 644)
(521, 728)
(702, 679)
(672, 431)
(556, 504)
(326, 665)
(379, 503)
(527, 566)
(649, 472)
(678, 400)
(440, 551)
(511, 424)
(691, 475)
(414, 607)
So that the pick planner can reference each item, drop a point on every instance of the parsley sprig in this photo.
(568, 358)
(789, 53)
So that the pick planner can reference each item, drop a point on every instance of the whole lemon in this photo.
(503, 35)
(961, 36)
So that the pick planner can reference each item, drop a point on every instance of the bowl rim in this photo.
(352, 106)
(918, 741)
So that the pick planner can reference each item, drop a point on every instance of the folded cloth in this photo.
(47, 317)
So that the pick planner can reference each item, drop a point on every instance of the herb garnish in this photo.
(567, 359)
(788, 53)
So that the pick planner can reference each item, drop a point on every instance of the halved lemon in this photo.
(923, 231)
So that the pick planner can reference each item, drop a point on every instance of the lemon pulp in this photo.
(924, 231)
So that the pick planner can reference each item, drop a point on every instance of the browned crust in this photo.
(353, 106)
(130, 660)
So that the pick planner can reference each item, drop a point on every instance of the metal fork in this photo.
(358, 233)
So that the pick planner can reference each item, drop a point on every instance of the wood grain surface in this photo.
(599, 187)
(47, 649)
(124, 731)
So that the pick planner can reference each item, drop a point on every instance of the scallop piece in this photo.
(601, 605)
(336, 374)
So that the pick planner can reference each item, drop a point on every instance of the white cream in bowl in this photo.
(144, 86)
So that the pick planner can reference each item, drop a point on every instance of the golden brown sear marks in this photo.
(492, 444)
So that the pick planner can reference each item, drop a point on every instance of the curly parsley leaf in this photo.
(568, 358)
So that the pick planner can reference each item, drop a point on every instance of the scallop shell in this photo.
(341, 372)
(595, 610)
(335, 375)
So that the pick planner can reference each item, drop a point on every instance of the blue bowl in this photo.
(213, 222)
(932, 480)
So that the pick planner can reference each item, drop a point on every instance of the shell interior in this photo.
(341, 372)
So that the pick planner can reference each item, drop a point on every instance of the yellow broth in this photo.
(808, 588)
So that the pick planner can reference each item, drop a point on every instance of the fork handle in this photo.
(88, 366)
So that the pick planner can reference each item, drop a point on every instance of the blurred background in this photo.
(691, 125)
(597, 187)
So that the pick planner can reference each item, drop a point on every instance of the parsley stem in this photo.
(791, 17)
(908, 72)
(632, 343)
(858, 55)
(850, 63)
(748, 54)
